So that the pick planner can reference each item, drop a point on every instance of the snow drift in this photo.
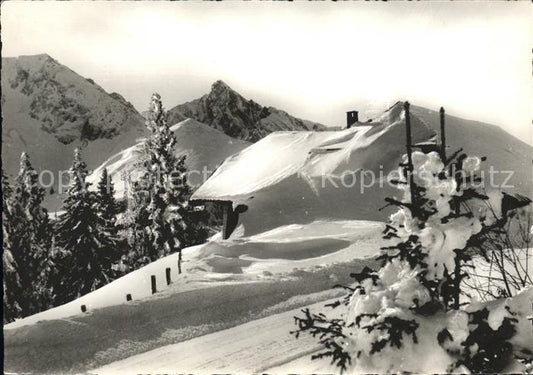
(205, 148)
(299, 177)
(245, 259)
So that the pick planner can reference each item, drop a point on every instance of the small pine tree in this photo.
(439, 224)
(87, 263)
(31, 239)
(11, 280)
(163, 220)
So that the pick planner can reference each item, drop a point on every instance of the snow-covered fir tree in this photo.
(131, 225)
(30, 240)
(162, 221)
(106, 205)
(11, 280)
(83, 238)
(413, 314)
(107, 209)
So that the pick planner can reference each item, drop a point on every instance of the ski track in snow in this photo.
(263, 345)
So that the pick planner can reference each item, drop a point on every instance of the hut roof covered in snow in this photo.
(309, 155)
(297, 177)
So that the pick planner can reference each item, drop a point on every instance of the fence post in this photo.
(169, 280)
(154, 285)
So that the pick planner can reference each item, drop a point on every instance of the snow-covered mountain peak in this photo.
(49, 110)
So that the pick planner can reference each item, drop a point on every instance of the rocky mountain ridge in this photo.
(48, 110)
(65, 104)
(228, 111)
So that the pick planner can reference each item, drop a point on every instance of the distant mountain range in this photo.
(66, 105)
(226, 110)
(48, 110)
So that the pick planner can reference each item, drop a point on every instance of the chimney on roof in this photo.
(351, 118)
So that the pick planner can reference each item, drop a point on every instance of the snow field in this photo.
(239, 259)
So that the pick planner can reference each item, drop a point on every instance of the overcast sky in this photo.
(315, 60)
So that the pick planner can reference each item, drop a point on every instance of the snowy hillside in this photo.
(228, 111)
(48, 110)
(503, 151)
(205, 147)
(320, 175)
(225, 283)
(239, 259)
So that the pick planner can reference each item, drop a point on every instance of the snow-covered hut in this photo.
(301, 176)
(296, 177)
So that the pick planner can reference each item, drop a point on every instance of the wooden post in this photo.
(167, 271)
(154, 285)
(352, 118)
(409, 150)
(442, 136)
(83, 308)
(231, 217)
(227, 211)
(179, 262)
(128, 297)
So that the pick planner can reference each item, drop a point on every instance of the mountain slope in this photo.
(226, 110)
(206, 297)
(504, 152)
(205, 147)
(48, 110)
(343, 174)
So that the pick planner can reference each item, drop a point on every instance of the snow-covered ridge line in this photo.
(204, 147)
